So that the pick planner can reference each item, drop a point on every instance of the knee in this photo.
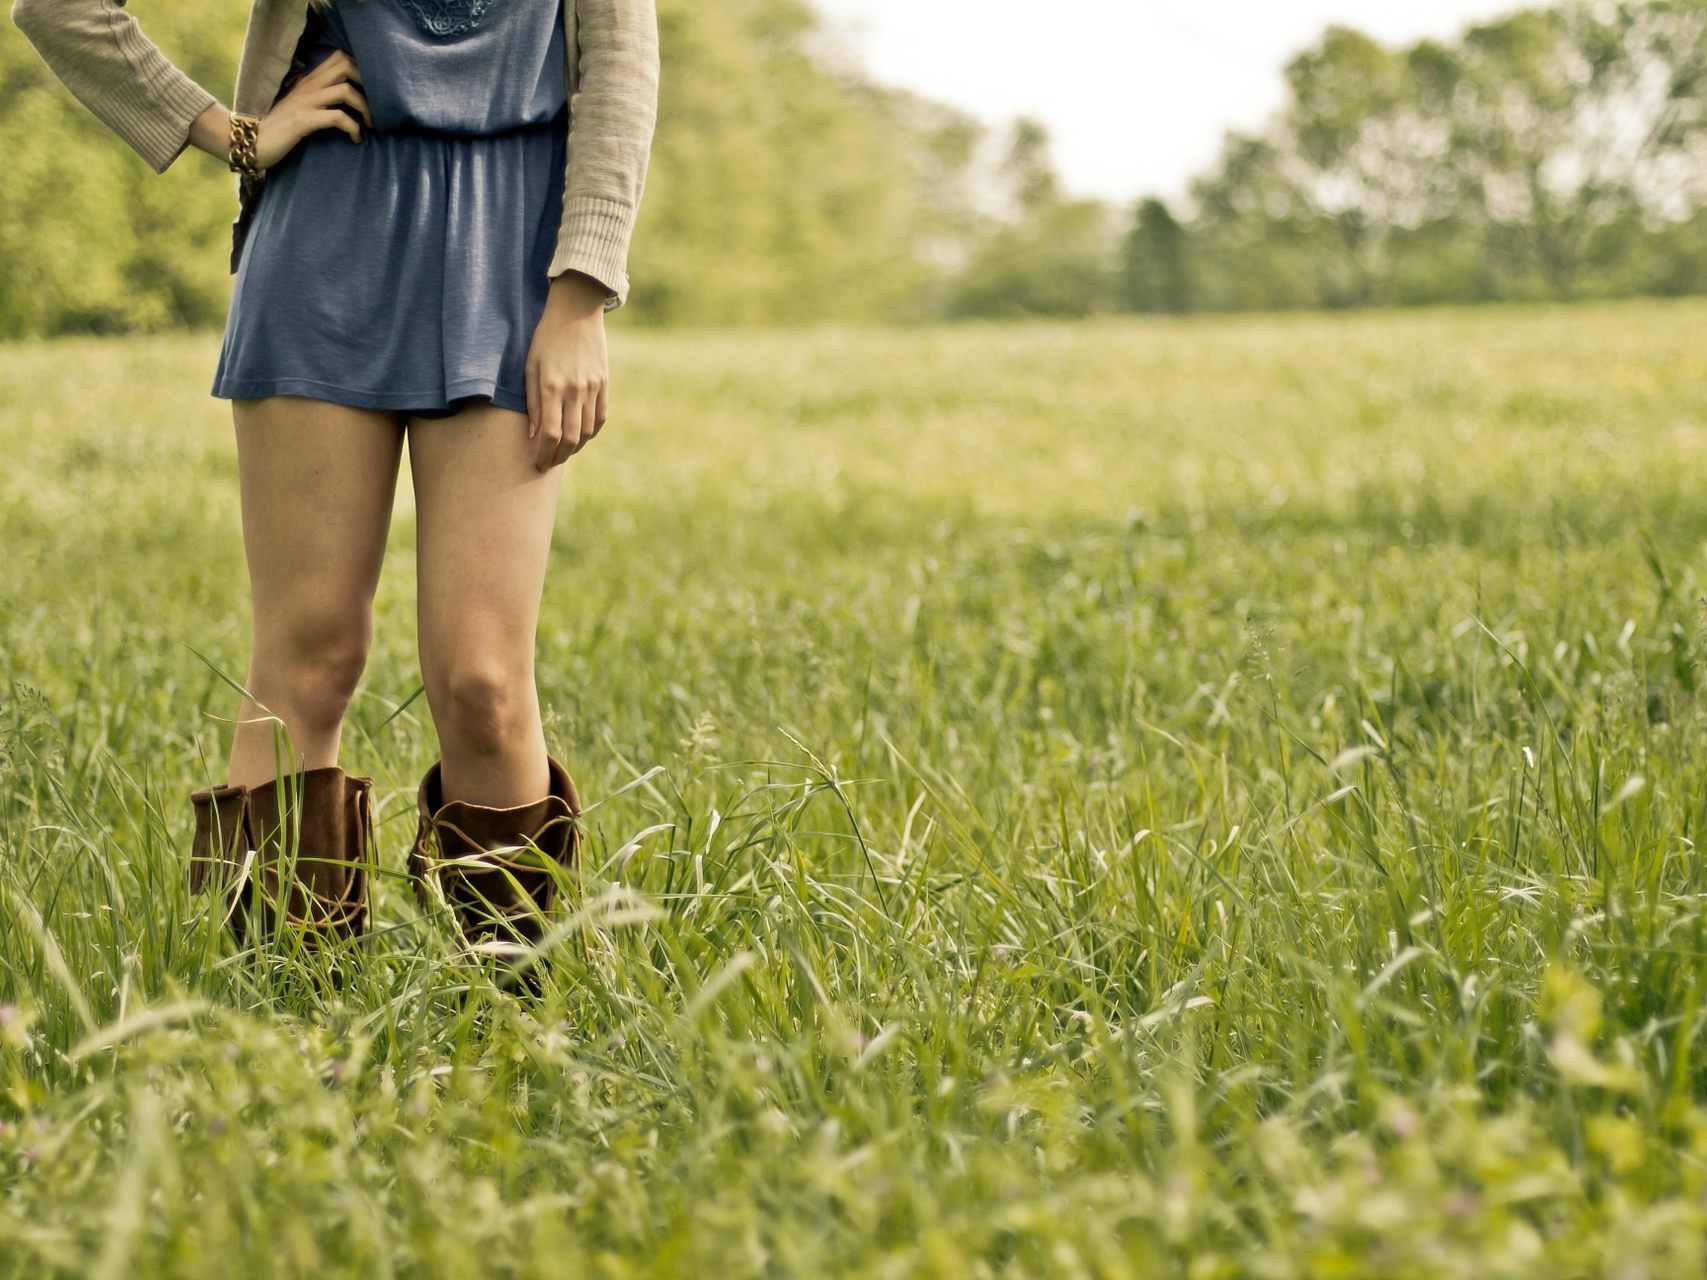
(312, 659)
(485, 707)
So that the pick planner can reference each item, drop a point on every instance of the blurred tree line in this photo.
(1554, 153)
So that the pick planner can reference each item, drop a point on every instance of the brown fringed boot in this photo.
(477, 858)
(319, 818)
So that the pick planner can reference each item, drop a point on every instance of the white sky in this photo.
(1136, 93)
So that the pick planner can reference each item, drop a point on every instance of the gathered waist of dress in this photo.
(414, 129)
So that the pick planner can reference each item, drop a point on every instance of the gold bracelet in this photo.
(240, 156)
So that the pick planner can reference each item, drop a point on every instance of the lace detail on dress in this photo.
(446, 17)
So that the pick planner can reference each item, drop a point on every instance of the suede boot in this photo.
(476, 858)
(311, 835)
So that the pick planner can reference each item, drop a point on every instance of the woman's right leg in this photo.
(317, 482)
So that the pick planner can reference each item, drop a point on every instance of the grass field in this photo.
(1214, 798)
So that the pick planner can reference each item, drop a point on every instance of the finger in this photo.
(589, 409)
(571, 440)
(344, 92)
(334, 66)
(601, 409)
(549, 444)
(338, 68)
(332, 118)
(348, 92)
(550, 429)
(532, 374)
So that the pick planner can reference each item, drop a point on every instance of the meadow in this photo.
(1205, 798)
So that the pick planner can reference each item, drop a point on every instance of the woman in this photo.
(435, 209)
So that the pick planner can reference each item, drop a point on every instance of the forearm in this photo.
(99, 53)
(211, 131)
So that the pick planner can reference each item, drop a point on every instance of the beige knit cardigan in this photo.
(99, 52)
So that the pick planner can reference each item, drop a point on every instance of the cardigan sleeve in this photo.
(99, 53)
(612, 114)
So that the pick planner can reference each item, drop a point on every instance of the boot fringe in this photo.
(496, 869)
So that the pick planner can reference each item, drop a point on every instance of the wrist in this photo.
(576, 293)
(211, 131)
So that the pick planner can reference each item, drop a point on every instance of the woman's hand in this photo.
(313, 103)
(568, 371)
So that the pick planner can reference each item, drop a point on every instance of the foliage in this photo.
(1050, 256)
(1239, 819)
(1157, 266)
(784, 188)
(93, 239)
(1554, 153)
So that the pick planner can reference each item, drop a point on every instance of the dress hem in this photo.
(364, 398)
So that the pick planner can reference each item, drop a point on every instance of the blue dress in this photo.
(408, 271)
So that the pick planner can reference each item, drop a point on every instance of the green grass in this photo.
(1126, 799)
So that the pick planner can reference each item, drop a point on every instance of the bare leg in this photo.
(317, 483)
(484, 519)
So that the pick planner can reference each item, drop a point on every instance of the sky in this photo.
(1136, 93)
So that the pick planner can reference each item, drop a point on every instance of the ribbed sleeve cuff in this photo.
(594, 239)
(160, 131)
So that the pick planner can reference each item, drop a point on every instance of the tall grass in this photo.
(1209, 798)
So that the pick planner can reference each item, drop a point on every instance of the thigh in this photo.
(317, 482)
(484, 516)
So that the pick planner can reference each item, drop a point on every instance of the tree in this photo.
(1575, 119)
(1156, 267)
(1533, 156)
(1053, 255)
(93, 239)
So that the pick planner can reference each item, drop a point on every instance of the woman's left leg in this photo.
(484, 516)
